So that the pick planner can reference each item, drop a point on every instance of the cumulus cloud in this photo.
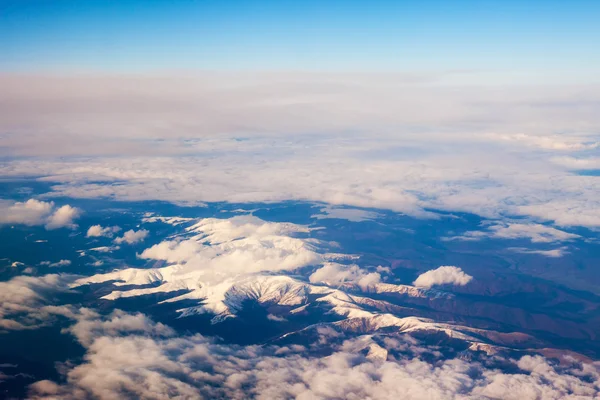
(536, 233)
(35, 212)
(99, 231)
(238, 245)
(444, 275)
(26, 302)
(336, 274)
(63, 217)
(132, 237)
(129, 355)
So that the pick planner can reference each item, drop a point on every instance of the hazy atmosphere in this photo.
(299, 200)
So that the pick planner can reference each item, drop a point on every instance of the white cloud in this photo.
(350, 214)
(554, 142)
(129, 355)
(335, 274)
(63, 217)
(554, 253)
(35, 212)
(25, 302)
(443, 275)
(99, 231)
(132, 237)
(221, 253)
(382, 142)
(578, 162)
(536, 233)
(222, 248)
(32, 212)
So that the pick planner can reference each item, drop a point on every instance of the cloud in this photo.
(554, 142)
(129, 355)
(350, 214)
(219, 257)
(582, 163)
(102, 249)
(554, 253)
(443, 275)
(35, 212)
(25, 302)
(63, 217)
(536, 233)
(382, 142)
(132, 237)
(335, 274)
(61, 263)
(238, 245)
(99, 231)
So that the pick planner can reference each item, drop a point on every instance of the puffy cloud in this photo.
(132, 237)
(91, 325)
(219, 257)
(215, 230)
(174, 251)
(25, 302)
(238, 245)
(32, 212)
(63, 217)
(443, 275)
(536, 233)
(336, 274)
(35, 212)
(99, 231)
(132, 356)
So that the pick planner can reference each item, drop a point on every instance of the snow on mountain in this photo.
(224, 263)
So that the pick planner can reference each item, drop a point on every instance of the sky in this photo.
(554, 39)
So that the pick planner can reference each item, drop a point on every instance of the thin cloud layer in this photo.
(380, 141)
(444, 275)
(536, 233)
(61, 263)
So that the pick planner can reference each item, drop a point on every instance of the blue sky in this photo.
(509, 36)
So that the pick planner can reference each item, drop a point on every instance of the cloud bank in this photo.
(131, 356)
(379, 140)
(26, 302)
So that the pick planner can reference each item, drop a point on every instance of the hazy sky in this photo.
(554, 39)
